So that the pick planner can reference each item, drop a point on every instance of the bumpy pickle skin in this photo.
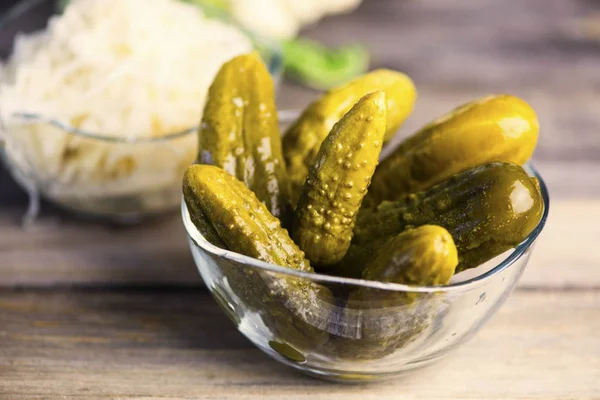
(291, 307)
(338, 181)
(240, 131)
(302, 140)
(493, 128)
(387, 320)
(488, 209)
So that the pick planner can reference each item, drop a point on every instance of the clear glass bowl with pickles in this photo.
(343, 266)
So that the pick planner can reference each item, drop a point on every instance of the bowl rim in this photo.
(196, 237)
(274, 65)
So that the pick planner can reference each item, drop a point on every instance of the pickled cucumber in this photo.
(487, 210)
(240, 131)
(493, 128)
(294, 306)
(389, 319)
(338, 180)
(302, 140)
(423, 256)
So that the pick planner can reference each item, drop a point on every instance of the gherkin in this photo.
(338, 181)
(292, 307)
(493, 128)
(302, 140)
(387, 320)
(240, 131)
(423, 256)
(487, 210)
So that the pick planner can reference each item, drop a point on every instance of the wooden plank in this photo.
(565, 254)
(568, 180)
(168, 345)
(74, 252)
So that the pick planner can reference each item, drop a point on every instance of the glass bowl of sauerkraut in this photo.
(99, 104)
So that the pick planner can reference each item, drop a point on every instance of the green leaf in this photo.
(322, 67)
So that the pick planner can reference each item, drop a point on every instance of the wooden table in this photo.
(95, 311)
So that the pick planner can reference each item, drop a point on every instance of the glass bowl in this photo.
(134, 178)
(354, 330)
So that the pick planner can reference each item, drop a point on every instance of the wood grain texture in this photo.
(69, 251)
(541, 345)
(157, 253)
(565, 255)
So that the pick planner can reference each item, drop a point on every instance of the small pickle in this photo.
(240, 131)
(293, 307)
(302, 140)
(423, 256)
(487, 210)
(387, 320)
(493, 128)
(338, 181)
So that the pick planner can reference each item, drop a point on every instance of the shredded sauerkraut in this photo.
(129, 69)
